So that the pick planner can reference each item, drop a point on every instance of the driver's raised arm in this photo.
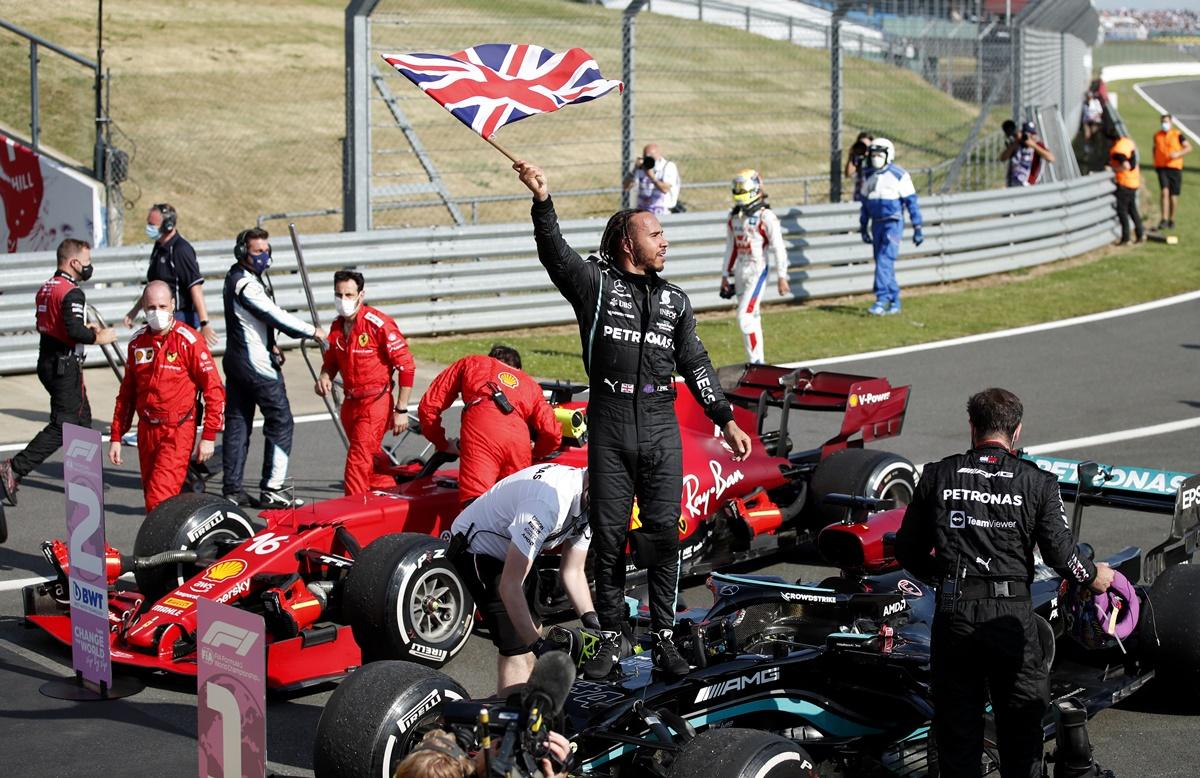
(576, 279)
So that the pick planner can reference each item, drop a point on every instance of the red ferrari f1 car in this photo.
(353, 579)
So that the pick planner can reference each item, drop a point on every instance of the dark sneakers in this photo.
(8, 483)
(241, 499)
(666, 656)
(614, 646)
(3, 524)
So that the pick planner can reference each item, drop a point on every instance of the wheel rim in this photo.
(890, 485)
(435, 606)
(205, 549)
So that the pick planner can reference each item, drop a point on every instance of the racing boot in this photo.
(8, 483)
(667, 658)
(613, 647)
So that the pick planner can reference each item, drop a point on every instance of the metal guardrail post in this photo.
(835, 104)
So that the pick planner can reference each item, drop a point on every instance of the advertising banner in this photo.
(231, 685)
(83, 474)
(44, 201)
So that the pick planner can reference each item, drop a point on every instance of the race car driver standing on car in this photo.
(887, 192)
(253, 377)
(636, 329)
(494, 544)
(980, 514)
(167, 365)
(62, 325)
(502, 407)
(365, 347)
(752, 230)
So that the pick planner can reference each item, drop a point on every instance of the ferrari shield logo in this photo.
(363, 339)
(509, 380)
(172, 356)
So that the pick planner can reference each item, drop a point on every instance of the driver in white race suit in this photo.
(753, 231)
(494, 544)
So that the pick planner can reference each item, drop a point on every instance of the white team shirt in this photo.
(533, 508)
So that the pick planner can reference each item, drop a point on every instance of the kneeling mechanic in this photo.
(496, 540)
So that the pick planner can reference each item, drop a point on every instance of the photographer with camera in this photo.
(657, 181)
(439, 755)
(494, 544)
(1025, 154)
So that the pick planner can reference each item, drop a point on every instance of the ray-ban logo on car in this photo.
(83, 450)
(222, 633)
(769, 675)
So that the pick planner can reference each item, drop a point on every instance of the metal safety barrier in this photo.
(475, 278)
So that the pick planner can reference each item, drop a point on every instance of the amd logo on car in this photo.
(769, 675)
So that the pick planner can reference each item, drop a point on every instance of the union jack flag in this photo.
(496, 84)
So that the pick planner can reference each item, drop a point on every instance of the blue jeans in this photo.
(885, 240)
(241, 398)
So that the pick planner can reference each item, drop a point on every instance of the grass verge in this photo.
(1102, 280)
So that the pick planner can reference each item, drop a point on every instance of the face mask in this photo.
(151, 232)
(878, 161)
(1166, 126)
(158, 319)
(346, 308)
(85, 272)
(260, 262)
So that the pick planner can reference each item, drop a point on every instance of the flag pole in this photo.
(501, 149)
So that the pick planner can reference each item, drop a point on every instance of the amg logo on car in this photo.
(205, 526)
(428, 703)
(985, 473)
(769, 675)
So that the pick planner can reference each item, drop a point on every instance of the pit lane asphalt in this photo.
(1082, 380)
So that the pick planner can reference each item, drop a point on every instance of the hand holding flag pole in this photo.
(489, 86)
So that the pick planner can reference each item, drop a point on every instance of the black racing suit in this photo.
(981, 513)
(635, 331)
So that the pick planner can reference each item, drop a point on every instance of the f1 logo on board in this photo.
(82, 449)
(222, 633)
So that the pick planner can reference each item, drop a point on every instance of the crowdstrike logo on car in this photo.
(762, 677)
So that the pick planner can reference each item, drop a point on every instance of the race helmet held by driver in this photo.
(747, 187)
(881, 153)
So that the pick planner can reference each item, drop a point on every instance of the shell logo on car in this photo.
(223, 571)
(509, 380)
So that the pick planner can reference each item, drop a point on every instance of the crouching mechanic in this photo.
(887, 191)
(168, 364)
(495, 542)
(753, 230)
(502, 407)
(981, 513)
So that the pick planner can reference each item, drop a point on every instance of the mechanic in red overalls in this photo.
(167, 364)
(64, 331)
(502, 406)
(365, 346)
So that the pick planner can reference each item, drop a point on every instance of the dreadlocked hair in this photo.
(616, 231)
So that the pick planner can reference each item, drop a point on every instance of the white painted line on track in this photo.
(21, 583)
(1116, 437)
(1156, 106)
(1026, 330)
(29, 656)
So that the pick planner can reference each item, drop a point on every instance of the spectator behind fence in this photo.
(173, 261)
(857, 167)
(657, 181)
(1169, 149)
(1093, 119)
(1025, 154)
(1123, 159)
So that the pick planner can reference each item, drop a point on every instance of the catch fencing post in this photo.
(628, 50)
(835, 102)
(356, 153)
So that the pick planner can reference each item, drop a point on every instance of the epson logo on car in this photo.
(428, 652)
(1189, 497)
(769, 675)
(894, 608)
(428, 703)
(205, 526)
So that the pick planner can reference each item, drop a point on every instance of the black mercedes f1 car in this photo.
(828, 678)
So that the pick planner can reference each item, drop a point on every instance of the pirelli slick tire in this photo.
(861, 472)
(405, 600)
(742, 753)
(1170, 631)
(186, 522)
(376, 716)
